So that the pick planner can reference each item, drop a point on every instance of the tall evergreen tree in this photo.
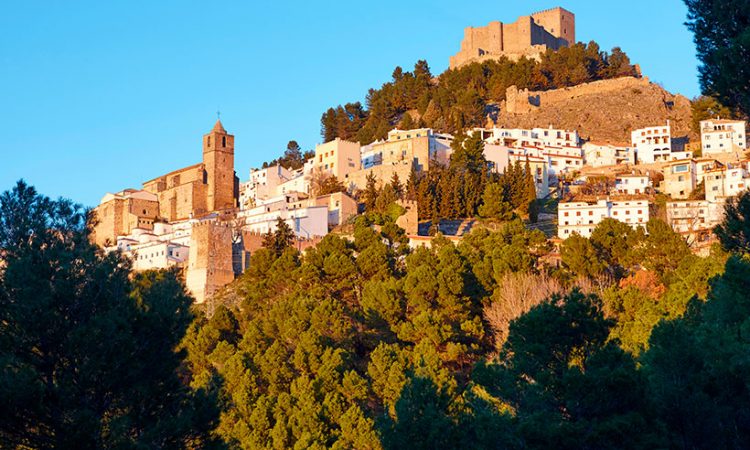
(398, 188)
(87, 352)
(370, 194)
(281, 238)
(721, 31)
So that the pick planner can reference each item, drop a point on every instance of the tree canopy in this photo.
(363, 342)
(457, 99)
(87, 352)
(721, 30)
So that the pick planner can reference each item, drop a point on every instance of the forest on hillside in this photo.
(632, 342)
(457, 99)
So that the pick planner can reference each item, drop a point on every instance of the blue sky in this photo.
(97, 96)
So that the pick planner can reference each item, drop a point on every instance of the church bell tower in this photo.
(218, 159)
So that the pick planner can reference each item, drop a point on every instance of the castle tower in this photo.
(560, 23)
(210, 259)
(218, 158)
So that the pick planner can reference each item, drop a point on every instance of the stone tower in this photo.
(558, 22)
(218, 159)
(210, 260)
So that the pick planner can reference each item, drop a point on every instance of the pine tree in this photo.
(398, 188)
(87, 348)
(370, 194)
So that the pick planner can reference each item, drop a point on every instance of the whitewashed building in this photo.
(583, 217)
(692, 216)
(723, 136)
(535, 137)
(632, 184)
(563, 159)
(724, 182)
(307, 222)
(597, 154)
(652, 144)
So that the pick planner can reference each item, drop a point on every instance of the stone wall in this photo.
(383, 173)
(181, 193)
(521, 101)
(602, 111)
(409, 221)
(528, 36)
(119, 216)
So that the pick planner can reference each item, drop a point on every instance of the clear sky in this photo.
(98, 96)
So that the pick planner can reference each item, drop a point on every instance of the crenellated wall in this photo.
(528, 36)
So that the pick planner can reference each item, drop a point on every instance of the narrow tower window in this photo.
(209, 141)
(224, 141)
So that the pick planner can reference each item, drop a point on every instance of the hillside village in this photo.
(209, 217)
(539, 247)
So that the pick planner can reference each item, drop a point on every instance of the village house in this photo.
(723, 136)
(689, 216)
(263, 183)
(694, 220)
(726, 181)
(652, 144)
(596, 154)
(399, 154)
(632, 184)
(583, 217)
(305, 221)
(680, 178)
(534, 137)
(337, 157)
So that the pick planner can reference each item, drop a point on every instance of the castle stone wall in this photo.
(528, 36)
(522, 101)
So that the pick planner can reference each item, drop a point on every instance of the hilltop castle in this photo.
(528, 36)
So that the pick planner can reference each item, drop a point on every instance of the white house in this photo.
(691, 216)
(632, 184)
(723, 136)
(597, 154)
(158, 254)
(652, 144)
(306, 222)
(535, 137)
(563, 159)
(724, 182)
(262, 184)
(583, 217)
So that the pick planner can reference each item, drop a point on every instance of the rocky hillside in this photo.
(605, 110)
